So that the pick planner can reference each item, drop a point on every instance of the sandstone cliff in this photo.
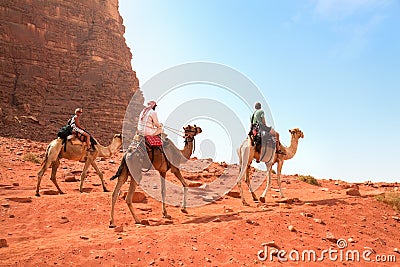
(58, 55)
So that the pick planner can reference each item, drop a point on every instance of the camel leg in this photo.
(132, 188)
(100, 174)
(262, 197)
(83, 175)
(53, 178)
(239, 184)
(163, 194)
(247, 180)
(121, 180)
(178, 175)
(40, 174)
(279, 169)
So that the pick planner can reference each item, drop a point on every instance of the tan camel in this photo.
(134, 161)
(76, 150)
(247, 153)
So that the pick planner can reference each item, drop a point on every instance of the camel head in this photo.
(296, 133)
(191, 131)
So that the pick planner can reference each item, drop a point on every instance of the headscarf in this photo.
(150, 105)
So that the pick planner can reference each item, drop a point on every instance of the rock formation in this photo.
(59, 55)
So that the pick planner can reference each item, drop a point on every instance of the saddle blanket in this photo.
(153, 140)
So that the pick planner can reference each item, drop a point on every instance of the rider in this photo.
(77, 127)
(148, 120)
(259, 117)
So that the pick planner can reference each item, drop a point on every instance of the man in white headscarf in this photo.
(148, 121)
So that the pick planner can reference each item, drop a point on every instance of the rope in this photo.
(175, 131)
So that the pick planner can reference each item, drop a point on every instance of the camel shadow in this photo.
(215, 218)
(325, 202)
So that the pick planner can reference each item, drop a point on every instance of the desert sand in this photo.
(72, 229)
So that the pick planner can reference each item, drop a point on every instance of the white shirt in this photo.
(149, 125)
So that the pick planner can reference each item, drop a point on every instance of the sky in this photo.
(328, 67)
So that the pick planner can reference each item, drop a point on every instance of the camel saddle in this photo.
(153, 141)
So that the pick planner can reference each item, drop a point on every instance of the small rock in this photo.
(195, 184)
(306, 214)
(217, 220)
(15, 184)
(291, 228)
(119, 229)
(396, 218)
(318, 221)
(228, 210)
(270, 244)
(252, 222)
(351, 240)
(310, 204)
(5, 205)
(111, 161)
(64, 220)
(19, 153)
(381, 241)
(84, 237)
(3, 243)
(207, 260)
(11, 216)
(353, 192)
(285, 200)
(70, 178)
(396, 250)
(138, 197)
(208, 198)
(145, 222)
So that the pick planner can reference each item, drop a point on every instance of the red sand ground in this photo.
(72, 229)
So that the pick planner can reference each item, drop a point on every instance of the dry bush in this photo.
(390, 198)
(31, 157)
(308, 179)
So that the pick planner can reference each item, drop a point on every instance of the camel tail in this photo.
(120, 169)
(45, 156)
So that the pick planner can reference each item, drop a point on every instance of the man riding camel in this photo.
(148, 121)
(259, 117)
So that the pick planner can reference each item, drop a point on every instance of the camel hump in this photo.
(74, 140)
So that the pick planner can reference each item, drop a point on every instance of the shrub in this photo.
(31, 157)
(308, 179)
(390, 198)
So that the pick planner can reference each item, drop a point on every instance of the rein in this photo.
(175, 131)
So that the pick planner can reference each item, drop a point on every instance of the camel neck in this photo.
(292, 149)
(188, 148)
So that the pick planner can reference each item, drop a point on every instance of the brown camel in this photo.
(247, 153)
(76, 150)
(136, 158)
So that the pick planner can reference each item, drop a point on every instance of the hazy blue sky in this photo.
(328, 67)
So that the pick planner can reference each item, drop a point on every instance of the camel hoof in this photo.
(106, 190)
(111, 226)
(262, 199)
(184, 211)
(166, 216)
(37, 194)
